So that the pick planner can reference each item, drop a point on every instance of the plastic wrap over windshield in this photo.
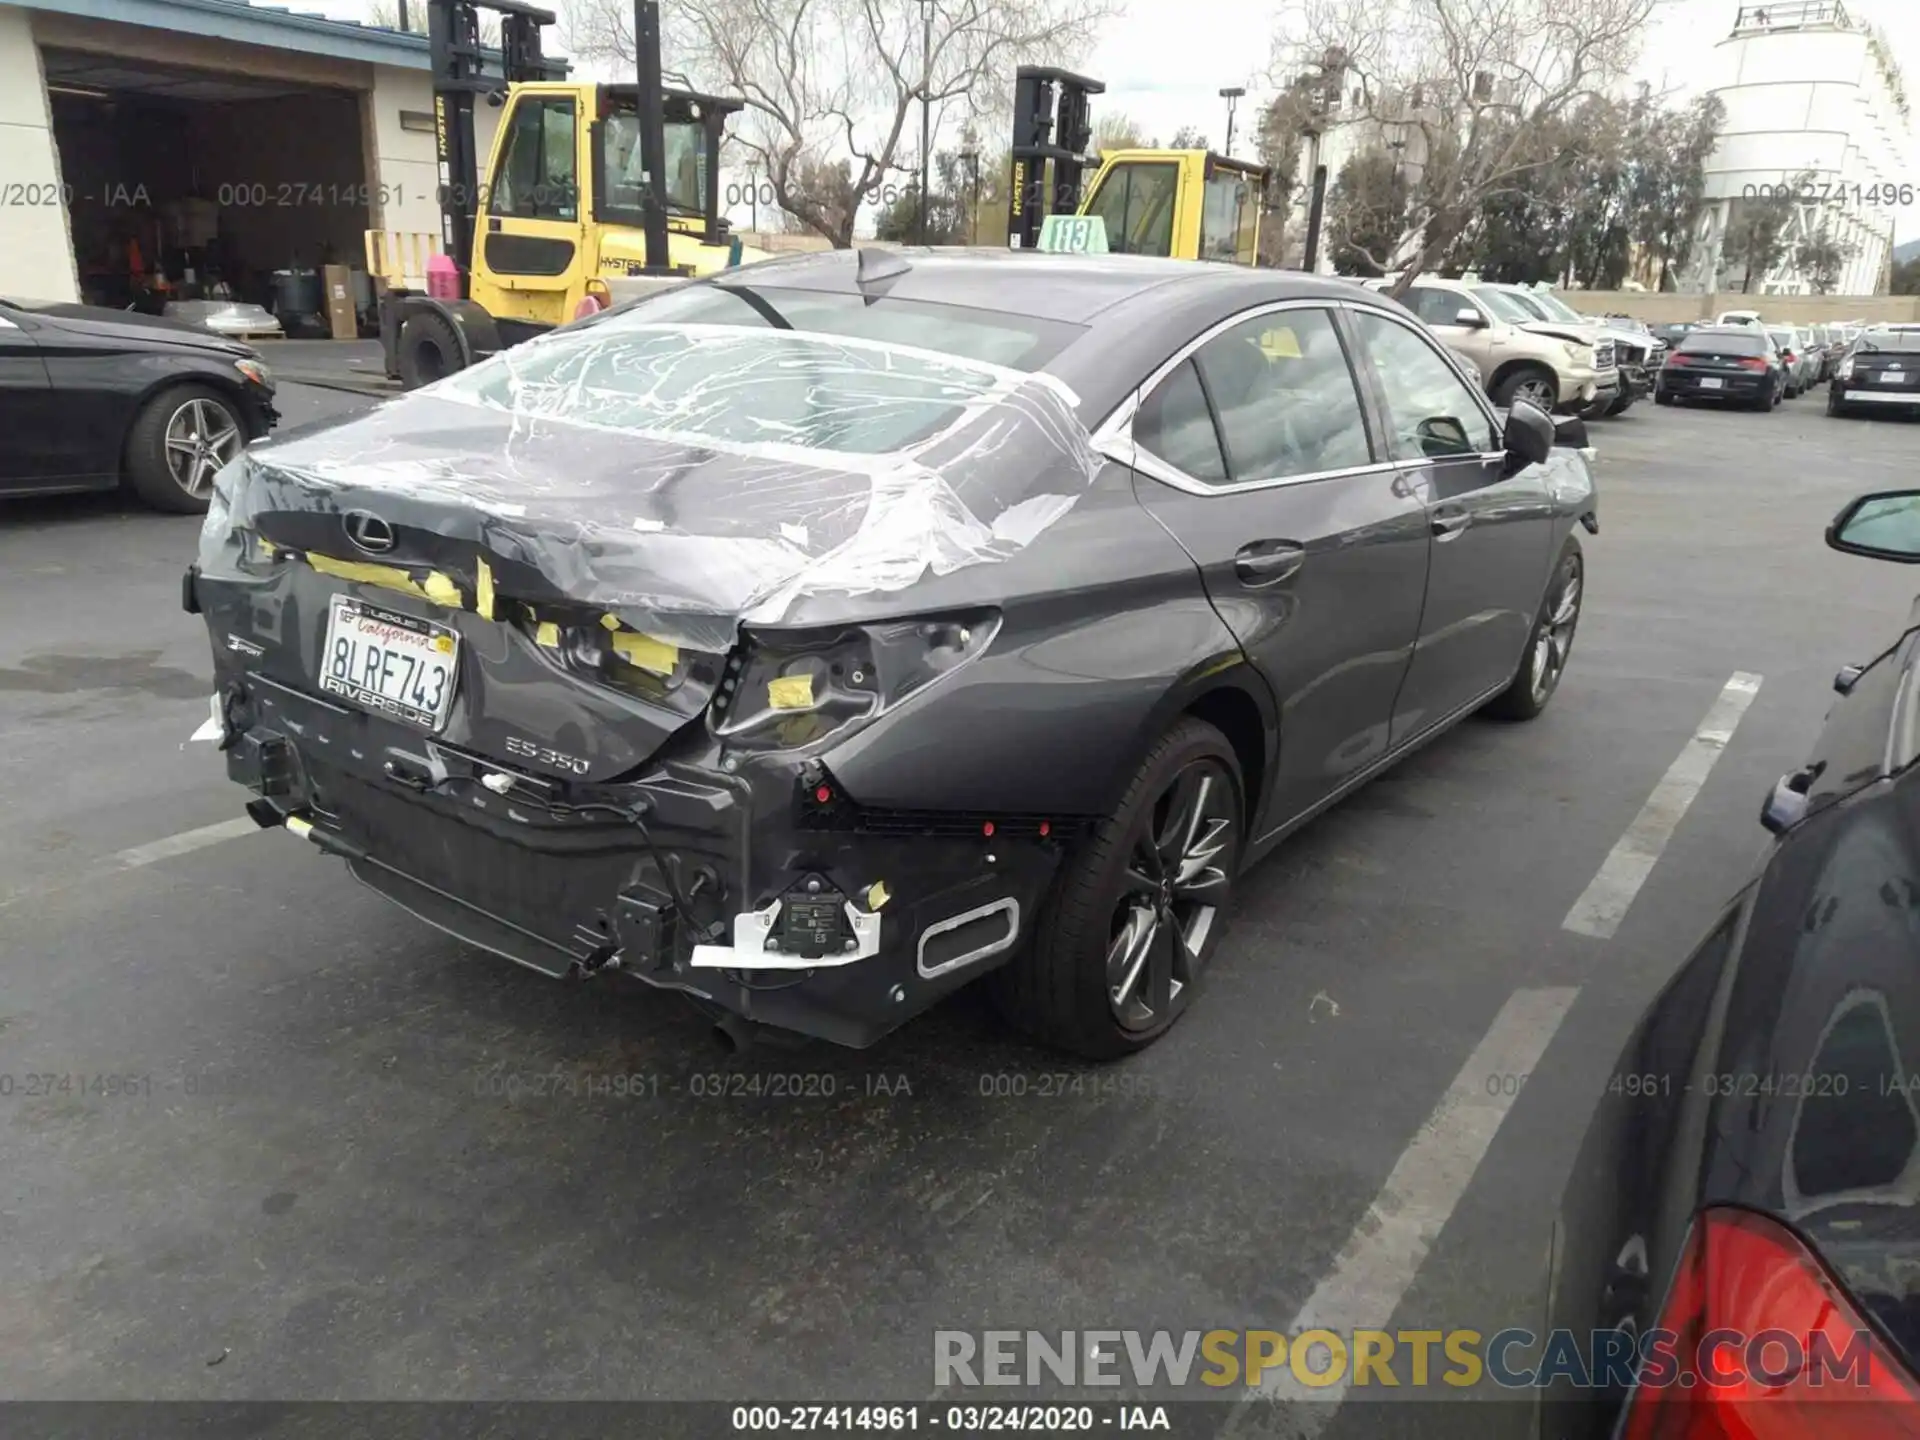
(694, 477)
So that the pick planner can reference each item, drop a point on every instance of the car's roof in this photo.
(1135, 310)
(1071, 288)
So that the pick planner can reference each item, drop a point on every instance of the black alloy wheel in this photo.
(1174, 883)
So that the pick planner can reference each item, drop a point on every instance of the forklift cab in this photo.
(1186, 203)
(562, 206)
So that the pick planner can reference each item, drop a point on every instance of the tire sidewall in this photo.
(1098, 869)
(147, 470)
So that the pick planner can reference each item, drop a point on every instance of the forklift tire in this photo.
(429, 349)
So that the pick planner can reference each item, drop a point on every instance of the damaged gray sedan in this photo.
(819, 638)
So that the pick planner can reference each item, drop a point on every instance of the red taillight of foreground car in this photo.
(1755, 363)
(1750, 1281)
(1679, 360)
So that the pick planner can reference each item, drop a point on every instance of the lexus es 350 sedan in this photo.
(92, 399)
(817, 638)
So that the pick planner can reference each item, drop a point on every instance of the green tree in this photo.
(1117, 130)
(1906, 278)
(1188, 137)
(1756, 239)
(1669, 183)
(1821, 257)
(1280, 144)
(1366, 212)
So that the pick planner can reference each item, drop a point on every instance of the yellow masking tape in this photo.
(645, 652)
(442, 591)
(483, 589)
(877, 895)
(610, 622)
(437, 587)
(548, 634)
(790, 692)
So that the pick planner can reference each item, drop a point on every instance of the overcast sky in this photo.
(1166, 68)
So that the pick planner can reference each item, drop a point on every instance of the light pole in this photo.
(971, 158)
(926, 106)
(1232, 96)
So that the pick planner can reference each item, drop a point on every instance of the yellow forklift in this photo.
(1188, 204)
(594, 193)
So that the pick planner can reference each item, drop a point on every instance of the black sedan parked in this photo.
(813, 639)
(1879, 374)
(91, 399)
(1724, 363)
(1740, 1224)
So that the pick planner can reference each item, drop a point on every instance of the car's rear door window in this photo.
(1174, 424)
(1286, 397)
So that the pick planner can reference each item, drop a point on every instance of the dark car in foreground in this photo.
(1741, 1221)
(92, 399)
(1879, 374)
(1725, 364)
(813, 639)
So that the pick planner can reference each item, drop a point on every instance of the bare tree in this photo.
(826, 79)
(1117, 130)
(1446, 80)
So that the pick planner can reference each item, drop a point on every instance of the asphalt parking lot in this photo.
(347, 1158)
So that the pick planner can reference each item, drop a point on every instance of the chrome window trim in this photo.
(1113, 437)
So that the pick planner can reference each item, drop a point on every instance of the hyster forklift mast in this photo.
(596, 193)
(1052, 125)
(459, 64)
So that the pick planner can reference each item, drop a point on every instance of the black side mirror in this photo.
(1881, 526)
(1529, 434)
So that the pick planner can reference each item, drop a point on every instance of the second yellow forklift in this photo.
(1187, 204)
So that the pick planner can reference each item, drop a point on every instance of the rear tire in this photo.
(429, 349)
(1117, 952)
(1661, 397)
(1550, 645)
(178, 442)
(1835, 407)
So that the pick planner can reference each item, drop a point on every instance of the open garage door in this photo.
(193, 184)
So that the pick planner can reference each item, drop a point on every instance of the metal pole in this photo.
(653, 130)
(974, 236)
(926, 106)
(403, 16)
(1315, 209)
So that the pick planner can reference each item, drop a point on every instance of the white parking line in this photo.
(184, 843)
(1378, 1263)
(1604, 903)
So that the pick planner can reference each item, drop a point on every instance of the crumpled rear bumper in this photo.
(687, 877)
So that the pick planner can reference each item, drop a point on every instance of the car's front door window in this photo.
(1431, 413)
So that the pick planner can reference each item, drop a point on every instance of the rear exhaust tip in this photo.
(734, 1034)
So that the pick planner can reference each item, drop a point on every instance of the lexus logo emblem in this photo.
(368, 531)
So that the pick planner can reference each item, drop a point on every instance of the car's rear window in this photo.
(1020, 342)
(1904, 341)
(1725, 342)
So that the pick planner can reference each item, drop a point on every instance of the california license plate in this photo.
(390, 663)
(1710, 384)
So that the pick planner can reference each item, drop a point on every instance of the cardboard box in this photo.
(338, 282)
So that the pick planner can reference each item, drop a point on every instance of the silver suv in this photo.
(1557, 366)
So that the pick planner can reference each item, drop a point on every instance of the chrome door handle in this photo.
(1268, 562)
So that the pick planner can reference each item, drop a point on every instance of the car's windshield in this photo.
(1725, 342)
(1020, 342)
(1901, 341)
(768, 367)
(1507, 305)
(1555, 308)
